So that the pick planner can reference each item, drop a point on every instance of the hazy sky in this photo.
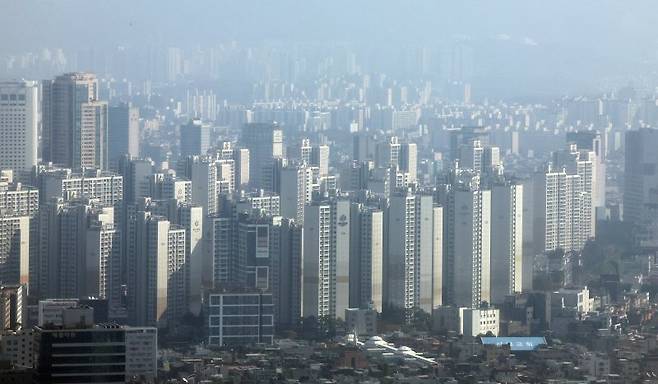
(594, 24)
(534, 45)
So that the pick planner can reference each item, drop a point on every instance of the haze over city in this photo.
(328, 191)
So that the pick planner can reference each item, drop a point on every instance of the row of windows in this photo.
(215, 321)
(12, 97)
(241, 299)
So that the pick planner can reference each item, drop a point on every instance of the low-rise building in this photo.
(141, 361)
(16, 346)
(575, 297)
(79, 351)
(240, 318)
(479, 321)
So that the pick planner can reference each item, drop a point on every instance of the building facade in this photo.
(240, 318)
(19, 127)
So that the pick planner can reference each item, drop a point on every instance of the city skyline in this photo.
(329, 192)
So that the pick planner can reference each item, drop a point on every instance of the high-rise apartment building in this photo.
(320, 158)
(408, 162)
(305, 150)
(561, 210)
(105, 187)
(136, 175)
(219, 245)
(583, 163)
(202, 172)
(18, 200)
(190, 217)
(254, 250)
(240, 157)
(123, 132)
(295, 190)
(388, 153)
(266, 204)
(319, 275)
(75, 122)
(467, 261)
(15, 249)
(366, 257)
(465, 136)
(243, 247)
(287, 274)
(79, 252)
(265, 143)
(471, 155)
(340, 254)
(363, 147)
(102, 260)
(412, 252)
(225, 176)
(167, 187)
(19, 126)
(356, 176)
(641, 183)
(506, 240)
(157, 282)
(194, 138)
(593, 141)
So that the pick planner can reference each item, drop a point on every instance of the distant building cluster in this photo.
(359, 205)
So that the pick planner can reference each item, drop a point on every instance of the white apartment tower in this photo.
(326, 265)
(305, 150)
(104, 187)
(583, 163)
(318, 293)
(19, 126)
(595, 142)
(225, 176)
(340, 253)
(563, 210)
